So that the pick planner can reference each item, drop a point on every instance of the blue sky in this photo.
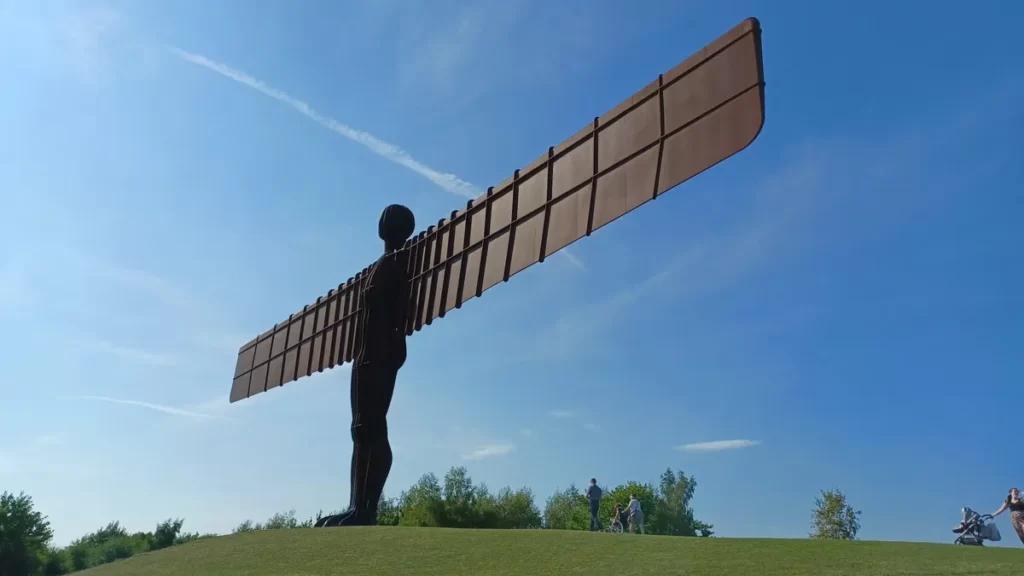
(841, 298)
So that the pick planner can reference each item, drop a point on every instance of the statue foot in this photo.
(323, 521)
(350, 518)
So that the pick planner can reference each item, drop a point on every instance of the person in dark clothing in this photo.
(380, 354)
(1015, 505)
(594, 497)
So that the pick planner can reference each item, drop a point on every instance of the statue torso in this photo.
(382, 322)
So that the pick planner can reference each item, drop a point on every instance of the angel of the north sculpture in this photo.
(701, 112)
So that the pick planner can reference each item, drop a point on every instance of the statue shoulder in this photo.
(389, 268)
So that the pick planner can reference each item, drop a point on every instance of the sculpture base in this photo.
(351, 518)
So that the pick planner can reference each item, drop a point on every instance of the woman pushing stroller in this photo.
(635, 517)
(636, 514)
(1015, 505)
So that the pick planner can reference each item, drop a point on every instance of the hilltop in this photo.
(401, 551)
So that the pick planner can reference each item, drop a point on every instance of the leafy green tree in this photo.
(108, 544)
(282, 521)
(486, 510)
(460, 499)
(620, 494)
(833, 518)
(78, 557)
(458, 503)
(389, 512)
(673, 515)
(56, 562)
(247, 526)
(424, 504)
(166, 534)
(666, 509)
(119, 549)
(25, 535)
(567, 510)
(516, 509)
(186, 537)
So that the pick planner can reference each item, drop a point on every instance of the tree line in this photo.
(26, 547)
(456, 502)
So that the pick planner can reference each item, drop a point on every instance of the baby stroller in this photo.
(975, 528)
(618, 526)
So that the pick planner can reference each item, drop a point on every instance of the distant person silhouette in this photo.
(380, 354)
(594, 496)
(636, 514)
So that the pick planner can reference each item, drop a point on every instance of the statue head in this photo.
(396, 225)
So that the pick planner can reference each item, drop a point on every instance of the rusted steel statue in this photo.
(690, 118)
(380, 355)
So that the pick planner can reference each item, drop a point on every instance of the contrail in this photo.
(134, 354)
(447, 182)
(572, 258)
(157, 407)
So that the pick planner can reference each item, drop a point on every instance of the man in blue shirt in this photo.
(594, 496)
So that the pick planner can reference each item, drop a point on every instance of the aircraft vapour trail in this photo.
(446, 181)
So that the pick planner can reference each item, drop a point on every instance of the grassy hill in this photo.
(401, 551)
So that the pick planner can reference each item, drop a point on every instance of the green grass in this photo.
(400, 551)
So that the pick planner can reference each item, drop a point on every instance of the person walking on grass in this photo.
(636, 515)
(594, 497)
(1015, 504)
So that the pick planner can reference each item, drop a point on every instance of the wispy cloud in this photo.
(222, 341)
(85, 33)
(188, 309)
(561, 413)
(591, 427)
(102, 270)
(446, 181)
(528, 433)
(133, 354)
(184, 304)
(160, 288)
(50, 440)
(157, 407)
(434, 58)
(718, 445)
(590, 319)
(449, 54)
(490, 451)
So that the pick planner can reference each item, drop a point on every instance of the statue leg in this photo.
(359, 387)
(372, 389)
